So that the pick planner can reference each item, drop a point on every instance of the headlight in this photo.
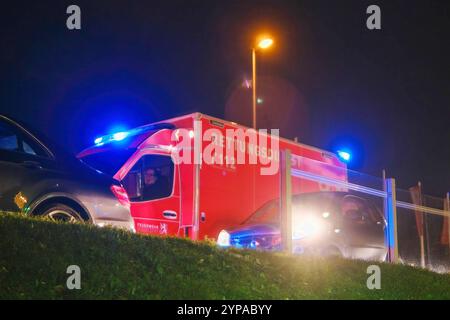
(223, 239)
(306, 227)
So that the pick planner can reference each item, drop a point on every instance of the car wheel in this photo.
(61, 212)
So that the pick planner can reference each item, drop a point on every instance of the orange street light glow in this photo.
(265, 43)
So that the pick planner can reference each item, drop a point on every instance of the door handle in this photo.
(32, 164)
(170, 214)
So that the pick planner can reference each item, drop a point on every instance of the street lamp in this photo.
(262, 44)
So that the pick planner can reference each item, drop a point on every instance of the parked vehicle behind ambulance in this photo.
(41, 179)
(323, 223)
(198, 198)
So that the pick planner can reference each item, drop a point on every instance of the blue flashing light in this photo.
(344, 155)
(119, 136)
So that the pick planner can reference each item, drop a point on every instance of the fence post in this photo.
(391, 218)
(286, 199)
(447, 207)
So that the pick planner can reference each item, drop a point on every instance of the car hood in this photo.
(254, 230)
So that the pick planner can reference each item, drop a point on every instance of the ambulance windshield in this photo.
(109, 161)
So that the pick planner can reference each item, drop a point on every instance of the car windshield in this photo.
(314, 203)
(109, 161)
(268, 213)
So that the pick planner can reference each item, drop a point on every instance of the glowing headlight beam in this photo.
(307, 227)
(223, 239)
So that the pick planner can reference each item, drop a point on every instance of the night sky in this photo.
(328, 80)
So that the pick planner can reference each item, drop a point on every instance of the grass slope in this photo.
(34, 256)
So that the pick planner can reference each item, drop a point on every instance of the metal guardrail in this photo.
(345, 184)
(355, 187)
(407, 205)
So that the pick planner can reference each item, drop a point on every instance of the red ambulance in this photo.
(175, 190)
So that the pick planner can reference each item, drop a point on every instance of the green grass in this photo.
(34, 256)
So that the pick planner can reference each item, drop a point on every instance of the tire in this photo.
(61, 212)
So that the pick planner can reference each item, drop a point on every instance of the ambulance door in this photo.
(152, 184)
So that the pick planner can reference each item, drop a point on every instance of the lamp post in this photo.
(262, 44)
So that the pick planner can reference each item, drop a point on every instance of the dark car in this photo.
(323, 223)
(40, 178)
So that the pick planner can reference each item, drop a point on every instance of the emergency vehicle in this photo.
(197, 198)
